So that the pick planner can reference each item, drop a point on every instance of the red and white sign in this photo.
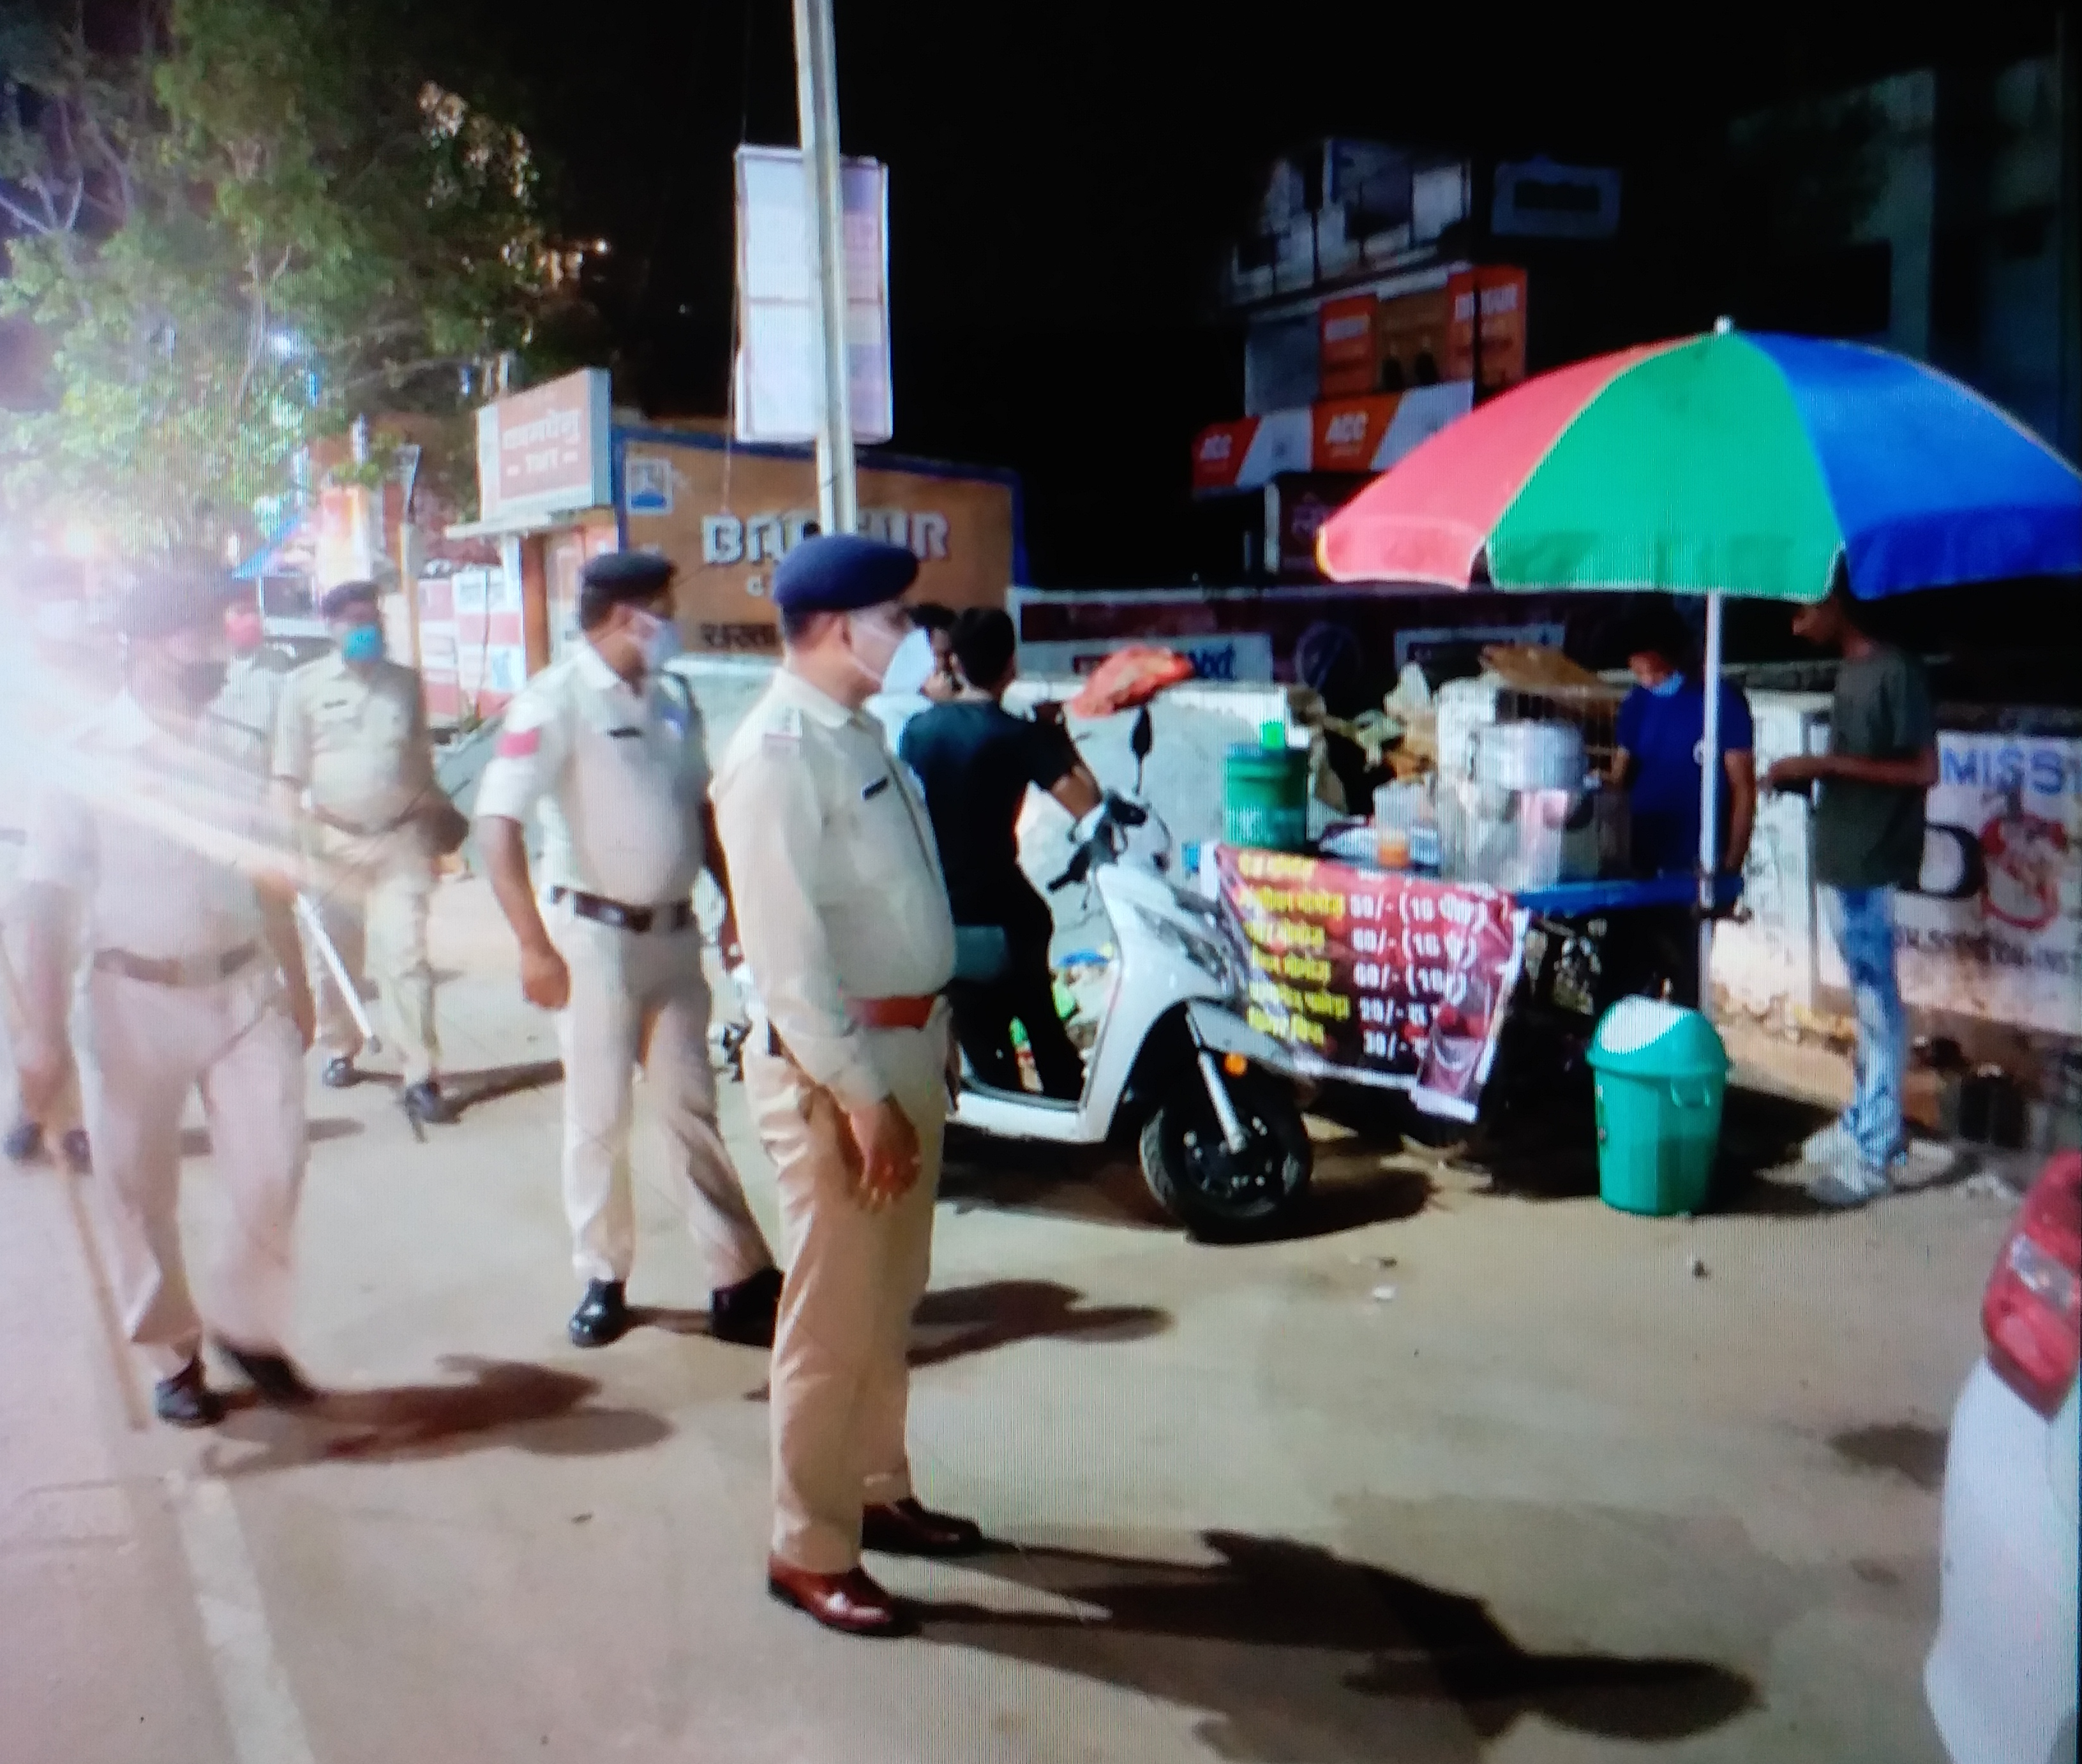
(473, 647)
(1375, 976)
(1339, 435)
(545, 451)
(1503, 326)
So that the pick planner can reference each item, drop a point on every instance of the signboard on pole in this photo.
(544, 450)
(778, 380)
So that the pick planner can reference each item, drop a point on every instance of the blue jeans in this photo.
(1862, 920)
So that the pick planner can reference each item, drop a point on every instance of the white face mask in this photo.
(872, 642)
(660, 639)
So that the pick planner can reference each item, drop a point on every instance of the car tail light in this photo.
(2033, 1313)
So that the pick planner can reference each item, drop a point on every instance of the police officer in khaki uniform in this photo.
(352, 753)
(609, 745)
(195, 982)
(849, 937)
(254, 676)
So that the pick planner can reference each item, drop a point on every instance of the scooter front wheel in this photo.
(1222, 1196)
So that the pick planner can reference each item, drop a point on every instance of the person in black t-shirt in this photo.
(976, 760)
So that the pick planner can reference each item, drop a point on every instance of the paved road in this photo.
(1556, 1497)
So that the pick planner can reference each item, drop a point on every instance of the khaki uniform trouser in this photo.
(143, 1048)
(641, 999)
(63, 1114)
(378, 890)
(840, 1373)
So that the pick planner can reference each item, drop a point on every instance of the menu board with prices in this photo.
(1375, 977)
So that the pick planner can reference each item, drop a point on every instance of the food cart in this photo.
(1770, 466)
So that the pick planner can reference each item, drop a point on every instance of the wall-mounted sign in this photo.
(544, 450)
(1537, 199)
(1503, 326)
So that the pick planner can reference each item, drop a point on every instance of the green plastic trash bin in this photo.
(1660, 1073)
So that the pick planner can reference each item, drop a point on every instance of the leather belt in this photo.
(675, 915)
(892, 1013)
(339, 826)
(200, 970)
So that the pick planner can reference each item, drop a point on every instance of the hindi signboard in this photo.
(1375, 977)
(544, 450)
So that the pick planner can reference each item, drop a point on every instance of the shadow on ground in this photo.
(1302, 1653)
(468, 1089)
(1906, 1449)
(534, 1409)
(966, 1320)
(195, 1141)
(1100, 1185)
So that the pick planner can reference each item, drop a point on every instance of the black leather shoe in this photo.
(744, 1313)
(425, 1103)
(78, 1155)
(186, 1401)
(602, 1315)
(338, 1073)
(24, 1141)
(273, 1375)
(906, 1528)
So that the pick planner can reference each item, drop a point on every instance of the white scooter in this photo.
(1224, 1148)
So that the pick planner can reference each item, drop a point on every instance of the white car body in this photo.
(2001, 1679)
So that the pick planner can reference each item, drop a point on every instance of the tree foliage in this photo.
(254, 221)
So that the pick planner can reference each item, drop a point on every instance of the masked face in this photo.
(242, 630)
(658, 635)
(872, 637)
(361, 643)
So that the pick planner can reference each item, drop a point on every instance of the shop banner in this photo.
(1503, 326)
(1994, 930)
(1219, 452)
(1375, 977)
(1338, 435)
(1347, 362)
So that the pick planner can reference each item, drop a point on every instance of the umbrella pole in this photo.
(1709, 801)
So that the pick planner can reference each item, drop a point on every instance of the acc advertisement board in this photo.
(1375, 977)
(1995, 930)
(726, 517)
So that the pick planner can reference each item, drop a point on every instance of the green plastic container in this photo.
(1660, 1073)
(1265, 794)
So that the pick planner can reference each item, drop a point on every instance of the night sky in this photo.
(1065, 180)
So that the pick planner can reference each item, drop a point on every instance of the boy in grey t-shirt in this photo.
(1868, 842)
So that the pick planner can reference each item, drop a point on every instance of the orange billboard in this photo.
(1346, 361)
(1503, 326)
(728, 516)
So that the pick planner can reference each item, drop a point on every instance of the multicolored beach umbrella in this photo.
(1739, 463)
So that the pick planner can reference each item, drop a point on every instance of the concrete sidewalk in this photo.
(1466, 1477)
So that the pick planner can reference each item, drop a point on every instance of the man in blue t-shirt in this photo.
(1661, 731)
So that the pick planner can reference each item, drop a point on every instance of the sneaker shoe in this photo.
(1829, 1148)
(24, 1143)
(338, 1073)
(1851, 1183)
(78, 1155)
(1921, 1162)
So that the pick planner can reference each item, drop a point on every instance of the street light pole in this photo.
(817, 106)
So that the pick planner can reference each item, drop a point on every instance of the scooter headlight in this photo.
(1205, 950)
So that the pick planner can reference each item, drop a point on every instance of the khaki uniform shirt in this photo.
(620, 775)
(357, 738)
(836, 876)
(158, 837)
(251, 698)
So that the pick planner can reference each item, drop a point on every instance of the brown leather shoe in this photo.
(905, 1528)
(850, 1603)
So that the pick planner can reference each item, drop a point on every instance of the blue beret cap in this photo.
(842, 573)
(627, 575)
(338, 602)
